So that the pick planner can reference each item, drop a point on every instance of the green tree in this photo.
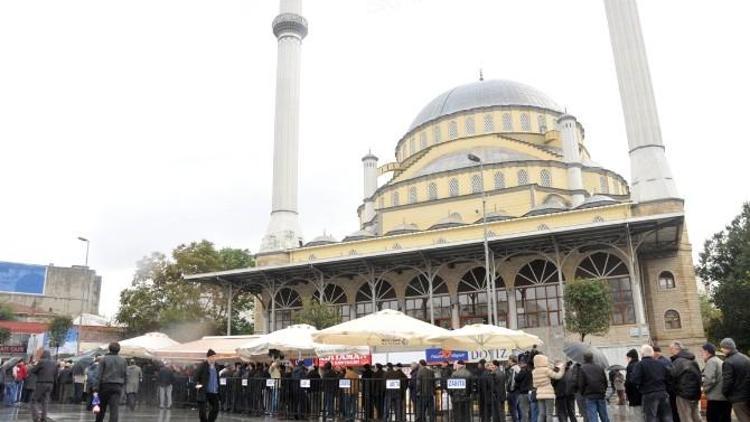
(724, 266)
(711, 316)
(58, 331)
(6, 312)
(159, 299)
(588, 307)
(4, 335)
(318, 315)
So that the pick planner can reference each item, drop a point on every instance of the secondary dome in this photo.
(481, 94)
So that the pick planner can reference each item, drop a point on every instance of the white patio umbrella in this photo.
(485, 337)
(295, 339)
(144, 346)
(386, 329)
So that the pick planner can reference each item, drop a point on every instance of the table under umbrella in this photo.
(144, 346)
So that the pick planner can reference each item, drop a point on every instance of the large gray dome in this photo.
(484, 94)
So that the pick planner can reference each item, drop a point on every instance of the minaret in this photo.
(283, 230)
(370, 166)
(568, 126)
(651, 178)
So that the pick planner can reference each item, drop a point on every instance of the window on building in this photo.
(672, 320)
(616, 185)
(603, 184)
(412, 195)
(523, 178)
(666, 280)
(423, 140)
(412, 146)
(489, 123)
(417, 302)
(287, 304)
(334, 296)
(452, 130)
(525, 122)
(453, 187)
(507, 122)
(472, 298)
(542, 123)
(381, 202)
(545, 179)
(610, 268)
(538, 295)
(432, 191)
(476, 184)
(373, 297)
(394, 199)
(436, 134)
(469, 126)
(499, 180)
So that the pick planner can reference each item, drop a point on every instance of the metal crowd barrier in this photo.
(348, 399)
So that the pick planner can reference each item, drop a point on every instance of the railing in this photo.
(457, 400)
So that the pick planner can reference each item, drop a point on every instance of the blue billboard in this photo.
(441, 355)
(22, 278)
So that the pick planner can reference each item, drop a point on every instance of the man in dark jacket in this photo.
(523, 383)
(650, 376)
(685, 376)
(461, 397)
(592, 383)
(112, 376)
(207, 384)
(735, 373)
(165, 379)
(499, 391)
(565, 395)
(425, 392)
(300, 396)
(45, 371)
(631, 390)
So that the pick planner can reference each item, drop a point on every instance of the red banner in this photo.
(351, 359)
(13, 350)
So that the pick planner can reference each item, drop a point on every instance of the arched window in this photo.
(436, 134)
(394, 199)
(472, 298)
(432, 192)
(381, 202)
(476, 183)
(412, 146)
(469, 126)
(381, 293)
(545, 179)
(417, 300)
(507, 122)
(608, 267)
(489, 123)
(542, 123)
(672, 320)
(523, 178)
(525, 122)
(423, 140)
(412, 195)
(666, 281)
(453, 187)
(287, 305)
(538, 295)
(499, 180)
(603, 184)
(452, 130)
(335, 296)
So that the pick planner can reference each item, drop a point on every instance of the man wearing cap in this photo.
(718, 408)
(736, 379)
(207, 384)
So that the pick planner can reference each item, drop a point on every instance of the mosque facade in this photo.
(493, 203)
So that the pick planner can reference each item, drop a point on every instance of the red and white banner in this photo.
(350, 359)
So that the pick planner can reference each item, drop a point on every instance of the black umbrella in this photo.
(575, 351)
(616, 368)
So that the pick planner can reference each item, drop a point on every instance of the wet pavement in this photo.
(75, 413)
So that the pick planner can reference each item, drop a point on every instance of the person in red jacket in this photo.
(20, 373)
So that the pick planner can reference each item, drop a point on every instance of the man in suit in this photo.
(207, 384)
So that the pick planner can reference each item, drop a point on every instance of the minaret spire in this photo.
(290, 28)
(651, 178)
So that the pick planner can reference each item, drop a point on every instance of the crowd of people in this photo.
(529, 387)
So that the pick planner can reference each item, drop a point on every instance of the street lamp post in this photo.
(488, 280)
(83, 292)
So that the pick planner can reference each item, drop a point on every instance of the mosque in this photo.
(493, 203)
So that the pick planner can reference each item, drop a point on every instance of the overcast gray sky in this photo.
(145, 124)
